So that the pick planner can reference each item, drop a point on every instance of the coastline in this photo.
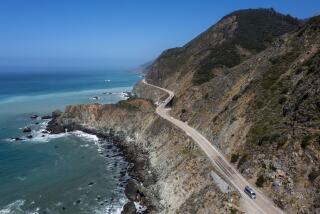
(25, 148)
(169, 171)
(138, 165)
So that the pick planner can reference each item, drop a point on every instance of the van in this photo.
(250, 192)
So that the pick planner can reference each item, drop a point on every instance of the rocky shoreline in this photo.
(136, 157)
(169, 172)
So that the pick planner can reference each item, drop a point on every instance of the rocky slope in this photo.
(250, 84)
(176, 176)
(262, 110)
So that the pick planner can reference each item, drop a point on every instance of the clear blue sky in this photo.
(112, 33)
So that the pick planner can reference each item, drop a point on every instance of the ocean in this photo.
(65, 173)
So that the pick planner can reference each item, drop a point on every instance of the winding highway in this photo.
(261, 204)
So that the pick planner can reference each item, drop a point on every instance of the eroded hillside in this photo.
(250, 84)
(262, 110)
(170, 171)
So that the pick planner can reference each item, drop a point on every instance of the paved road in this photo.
(261, 204)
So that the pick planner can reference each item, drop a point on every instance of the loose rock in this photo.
(129, 208)
(26, 129)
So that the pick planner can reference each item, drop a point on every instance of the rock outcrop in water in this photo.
(26, 130)
(250, 84)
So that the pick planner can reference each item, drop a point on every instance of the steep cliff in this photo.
(250, 84)
(262, 110)
(175, 174)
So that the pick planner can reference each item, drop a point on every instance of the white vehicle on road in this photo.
(250, 192)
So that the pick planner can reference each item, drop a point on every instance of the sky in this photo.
(113, 34)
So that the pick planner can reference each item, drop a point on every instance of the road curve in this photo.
(261, 204)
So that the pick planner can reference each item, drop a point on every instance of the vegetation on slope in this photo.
(278, 102)
(271, 92)
(255, 30)
(225, 44)
(281, 103)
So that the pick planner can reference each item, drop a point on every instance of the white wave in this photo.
(124, 95)
(40, 135)
(10, 140)
(140, 208)
(86, 136)
(21, 178)
(114, 208)
(14, 207)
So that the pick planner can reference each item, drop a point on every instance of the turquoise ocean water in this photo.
(67, 173)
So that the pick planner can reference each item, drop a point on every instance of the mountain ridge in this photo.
(258, 110)
(262, 112)
(231, 40)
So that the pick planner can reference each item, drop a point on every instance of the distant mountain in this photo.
(143, 69)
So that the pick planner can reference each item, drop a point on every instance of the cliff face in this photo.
(250, 84)
(177, 174)
(262, 111)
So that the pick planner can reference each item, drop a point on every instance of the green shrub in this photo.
(313, 175)
(275, 136)
(282, 100)
(256, 133)
(185, 150)
(313, 64)
(278, 66)
(285, 90)
(268, 139)
(242, 160)
(281, 142)
(233, 211)
(260, 181)
(306, 140)
(206, 96)
(234, 158)
(259, 104)
(200, 77)
(264, 139)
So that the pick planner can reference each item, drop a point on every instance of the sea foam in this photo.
(40, 135)
(15, 207)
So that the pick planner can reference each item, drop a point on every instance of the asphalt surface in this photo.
(261, 204)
